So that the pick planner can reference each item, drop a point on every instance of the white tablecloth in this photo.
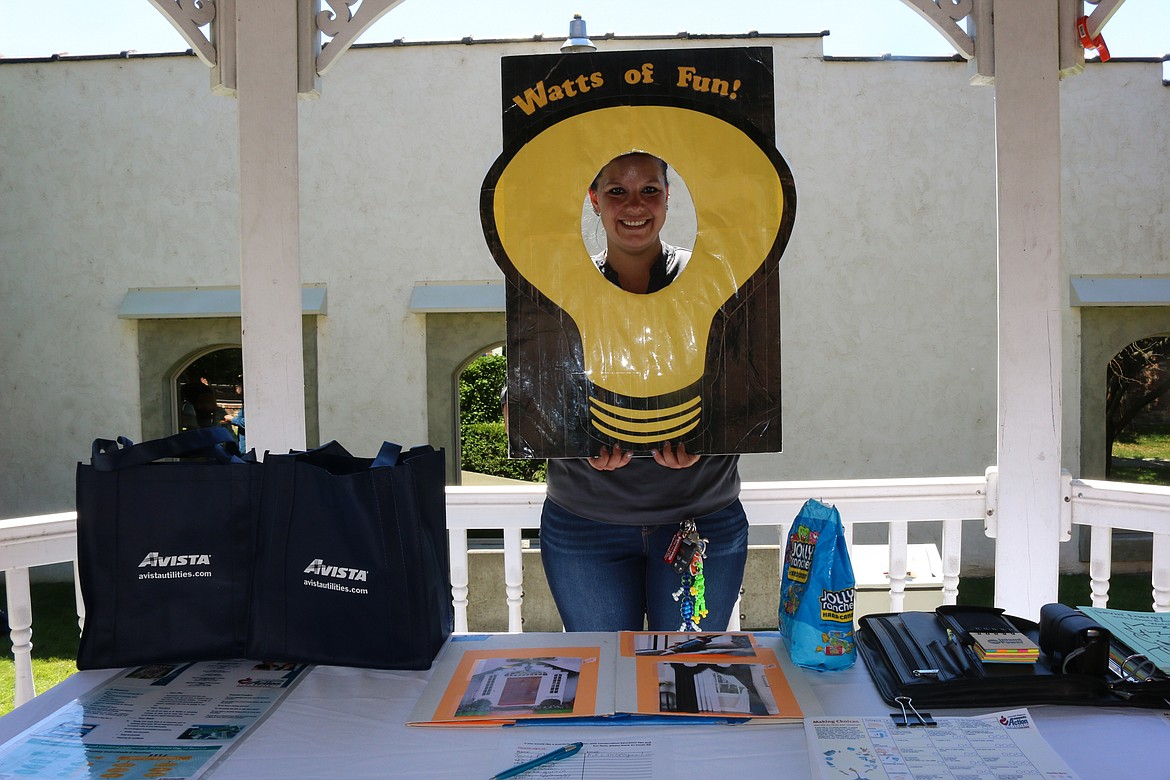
(349, 723)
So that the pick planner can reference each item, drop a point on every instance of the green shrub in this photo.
(485, 451)
(482, 438)
(479, 390)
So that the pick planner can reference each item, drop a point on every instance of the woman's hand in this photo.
(608, 460)
(676, 458)
(668, 457)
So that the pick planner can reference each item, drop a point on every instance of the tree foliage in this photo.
(479, 389)
(1137, 376)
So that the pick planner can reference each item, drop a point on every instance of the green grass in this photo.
(1131, 592)
(1143, 443)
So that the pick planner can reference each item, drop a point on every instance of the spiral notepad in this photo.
(1004, 647)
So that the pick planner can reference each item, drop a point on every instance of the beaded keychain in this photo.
(685, 554)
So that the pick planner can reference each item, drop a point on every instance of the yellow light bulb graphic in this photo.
(641, 347)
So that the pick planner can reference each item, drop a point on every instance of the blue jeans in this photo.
(607, 577)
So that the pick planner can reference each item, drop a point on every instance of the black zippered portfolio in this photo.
(928, 657)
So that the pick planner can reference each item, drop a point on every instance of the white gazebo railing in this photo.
(1105, 506)
(27, 542)
(896, 502)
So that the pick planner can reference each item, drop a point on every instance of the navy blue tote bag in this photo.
(164, 549)
(352, 564)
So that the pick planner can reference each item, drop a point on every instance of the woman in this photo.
(608, 521)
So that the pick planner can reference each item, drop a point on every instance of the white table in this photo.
(348, 723)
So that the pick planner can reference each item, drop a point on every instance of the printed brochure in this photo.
(170, 721)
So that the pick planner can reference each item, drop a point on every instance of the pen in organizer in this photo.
(556, 755)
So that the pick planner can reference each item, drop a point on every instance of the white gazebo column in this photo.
(1027, 142)
(270, 273)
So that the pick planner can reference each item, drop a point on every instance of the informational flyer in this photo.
(1002, 744)
(161, 721)
(1146, 633)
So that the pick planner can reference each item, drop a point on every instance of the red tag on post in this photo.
(1090, 42)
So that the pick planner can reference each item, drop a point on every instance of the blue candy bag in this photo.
(817, 590)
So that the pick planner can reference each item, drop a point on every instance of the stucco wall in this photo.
(113, 174)
(121, 173)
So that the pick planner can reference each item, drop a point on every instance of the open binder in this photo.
(929, 658)
(607, 678)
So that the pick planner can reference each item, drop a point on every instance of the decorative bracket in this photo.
(1101, 14)
(189, 17)
(209, 27)
(976, 42)
(343, 26)
(944, 16)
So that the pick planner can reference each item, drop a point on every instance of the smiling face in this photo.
(630, 194)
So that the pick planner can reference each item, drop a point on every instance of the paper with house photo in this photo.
(608, 677)
(505, 685)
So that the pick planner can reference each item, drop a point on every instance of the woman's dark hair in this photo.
(593, 184)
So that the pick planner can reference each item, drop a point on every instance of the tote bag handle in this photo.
(217, 443)
(333, 457)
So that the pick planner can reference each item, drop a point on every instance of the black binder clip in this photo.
(903, 718)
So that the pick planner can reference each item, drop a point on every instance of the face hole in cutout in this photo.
(679, 230)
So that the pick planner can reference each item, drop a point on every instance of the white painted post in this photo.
(897, 563)
(20, 619)
(1100, 564)
(78, 599)
(270, 273)
(460, 574)
(952, 556)
(1027, 142)
(1160, 577)
(514, 578)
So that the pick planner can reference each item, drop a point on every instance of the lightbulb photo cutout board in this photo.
(695, 362)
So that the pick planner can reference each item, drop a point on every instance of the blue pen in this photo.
(556, 755)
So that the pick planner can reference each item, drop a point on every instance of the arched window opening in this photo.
(483, 438)
(1137, 413)
(209, 392)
